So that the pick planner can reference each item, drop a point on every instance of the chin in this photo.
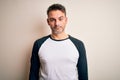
(57, 32)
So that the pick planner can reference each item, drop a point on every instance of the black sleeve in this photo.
(82, 63)
(35, 63)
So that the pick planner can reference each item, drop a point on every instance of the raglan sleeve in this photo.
(35, 63)
(82, 62)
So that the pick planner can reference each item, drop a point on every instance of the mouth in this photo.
(57, 26)
(57, 29)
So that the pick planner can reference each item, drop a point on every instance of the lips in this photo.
(57, 26)
(57, 29)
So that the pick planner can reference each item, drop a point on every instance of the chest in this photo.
(55, 52)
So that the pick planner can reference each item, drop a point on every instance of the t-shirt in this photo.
(58, 60)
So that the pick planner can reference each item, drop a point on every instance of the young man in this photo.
(58, 56)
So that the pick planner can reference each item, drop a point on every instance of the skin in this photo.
(57, 22)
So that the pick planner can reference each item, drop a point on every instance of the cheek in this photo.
(50, 24)
(64, 23)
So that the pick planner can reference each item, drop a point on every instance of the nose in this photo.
(57, 23)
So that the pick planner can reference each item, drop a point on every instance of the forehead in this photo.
(55, 14)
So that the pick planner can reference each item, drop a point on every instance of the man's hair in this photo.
(56, 7)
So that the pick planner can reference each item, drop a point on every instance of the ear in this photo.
(66, 19)
(48, 21)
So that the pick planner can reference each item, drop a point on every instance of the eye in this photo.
(51, 19)
(61, 18)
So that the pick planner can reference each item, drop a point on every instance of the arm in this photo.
(82, 63)
(35, 63)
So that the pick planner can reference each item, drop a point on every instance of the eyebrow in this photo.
(58, 17)
(61, 17)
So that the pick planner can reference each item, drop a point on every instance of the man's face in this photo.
(57, 21)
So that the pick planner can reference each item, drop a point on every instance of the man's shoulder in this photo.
(79, 44)
(75, 40)
(42, 39)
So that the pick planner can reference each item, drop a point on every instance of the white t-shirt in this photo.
(58, 60)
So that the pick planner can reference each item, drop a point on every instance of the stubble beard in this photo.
(57, 31)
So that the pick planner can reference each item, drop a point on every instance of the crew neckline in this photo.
(60, 39)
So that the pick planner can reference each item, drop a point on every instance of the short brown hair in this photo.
(56, 7)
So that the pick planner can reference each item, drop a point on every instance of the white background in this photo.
(95, 22)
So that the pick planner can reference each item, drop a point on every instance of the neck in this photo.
(59, 36)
